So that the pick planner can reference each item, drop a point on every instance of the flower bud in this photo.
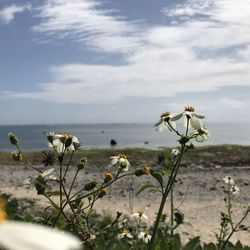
(91, 185)
(17, 156)
(50, 137)
(146, 170)
(108, 177)
(82, 163)
(102, 192)
(139, 172)
(13, 139)
(68, 141)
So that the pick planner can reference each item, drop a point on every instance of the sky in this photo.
(111, 61)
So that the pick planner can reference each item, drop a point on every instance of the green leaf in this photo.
(211, 246)
(158, 177)
(147, 186)
(193, 244)
(177, 242)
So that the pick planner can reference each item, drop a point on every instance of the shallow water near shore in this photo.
(127, 135)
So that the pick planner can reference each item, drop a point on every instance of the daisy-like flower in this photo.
(41, 178)
(165, 122)
(234, 189)
(200, 135)
(26, 236)
(63, 142)
(120, 160)
(228, 180)
(144, 236)
(139, 215)
(125, 234)
(189, 114)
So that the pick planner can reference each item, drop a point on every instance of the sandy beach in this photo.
(199, 191)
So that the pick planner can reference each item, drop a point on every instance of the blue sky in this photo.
(89, 61)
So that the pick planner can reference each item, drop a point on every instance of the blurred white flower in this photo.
(234, 189)
(126, 234)
(120, 160)
(26, 236)
(188, 114)
(165, 122)
(144, 236)
(139, 215)
(228, 180)
(42, 177)
(63, 142)
(15, 235)
(175, 151)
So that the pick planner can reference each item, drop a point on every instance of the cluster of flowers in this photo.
(188, 118)
(144, 236)
(233, 189)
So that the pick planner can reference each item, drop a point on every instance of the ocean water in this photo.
(33, 137)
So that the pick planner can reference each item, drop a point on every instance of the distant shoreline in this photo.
(212, 155)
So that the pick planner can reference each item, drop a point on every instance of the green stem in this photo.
(172, 215)
(104, 186)
(168, 188)
(234, 230)
(26, 161)
(73, 182)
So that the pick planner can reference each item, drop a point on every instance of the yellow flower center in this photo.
(189, 109)
(122, 156)
(146, 170)
(3, 214)
(165, 114)
(64, 137)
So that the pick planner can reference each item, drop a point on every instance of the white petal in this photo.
(199, 116)
(177, 117)
(184, 121)
(199, 138)
(26, 236)
(196, 123)
(114, 160)
(75, 139)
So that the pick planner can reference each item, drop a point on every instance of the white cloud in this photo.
(7, 14)
(203, 53)
(86, 22)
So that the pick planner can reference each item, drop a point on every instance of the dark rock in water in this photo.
(113, 142)
(146, 142)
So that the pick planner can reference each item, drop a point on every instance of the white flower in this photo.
(120, 160)
(27, 236)
(200, 135)
(228, 180)
(126, 234)
(43, 177)
(139, 215)
(144, 236)
(60, 141)
(234, 189)
(188, 114)
(165, 122)
(175, 151)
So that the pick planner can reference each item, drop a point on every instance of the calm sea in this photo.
(33, 137)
